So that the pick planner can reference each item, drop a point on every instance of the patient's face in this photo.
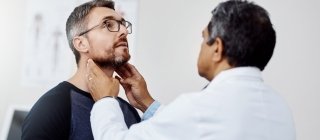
(107, 48)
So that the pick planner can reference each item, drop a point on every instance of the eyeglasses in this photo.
(112, 25)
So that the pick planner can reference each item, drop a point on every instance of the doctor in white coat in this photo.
(236, 105)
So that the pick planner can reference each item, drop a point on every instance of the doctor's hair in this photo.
(246, 32)
(78, 20)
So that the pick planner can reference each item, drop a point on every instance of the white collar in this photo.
(253, 72)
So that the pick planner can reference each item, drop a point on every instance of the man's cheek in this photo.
(121, 50)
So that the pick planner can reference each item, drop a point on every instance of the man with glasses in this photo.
(95, 31)
(237, 44)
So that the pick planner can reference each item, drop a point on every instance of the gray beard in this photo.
(111, 62)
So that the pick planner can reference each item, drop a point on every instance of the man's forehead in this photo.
(98, 14)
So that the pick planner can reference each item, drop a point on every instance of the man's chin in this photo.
(115, 62)
(124, 58)
(119, 61)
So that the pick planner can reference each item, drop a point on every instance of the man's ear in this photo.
(217, 50)
(81, 44)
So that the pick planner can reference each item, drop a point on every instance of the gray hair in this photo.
(77, 21)
(246, 32)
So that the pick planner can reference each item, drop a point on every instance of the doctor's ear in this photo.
(80, 44)
(217, 49)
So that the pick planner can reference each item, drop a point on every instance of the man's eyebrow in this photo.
(112, 17)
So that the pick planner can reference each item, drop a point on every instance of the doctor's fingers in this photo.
(93, 69)
(125, 71)
(133, 70)
(121, 74)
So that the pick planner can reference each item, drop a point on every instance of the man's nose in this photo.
(123, 30)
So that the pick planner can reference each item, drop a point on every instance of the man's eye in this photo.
(109, 24)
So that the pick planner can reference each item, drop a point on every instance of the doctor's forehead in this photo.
(205, 32)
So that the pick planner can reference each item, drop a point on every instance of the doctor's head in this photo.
(239, 34)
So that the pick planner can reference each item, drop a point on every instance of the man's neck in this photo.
(221, 66)
(79, 79)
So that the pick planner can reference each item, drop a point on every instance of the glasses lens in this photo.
(128, 26)
(112, 25)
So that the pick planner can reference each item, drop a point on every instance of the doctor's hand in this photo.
(99, 84)
(135, 87)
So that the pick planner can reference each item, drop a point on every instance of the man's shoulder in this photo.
(62, 89)
(58, 94)
(50, 115)
(56, 99)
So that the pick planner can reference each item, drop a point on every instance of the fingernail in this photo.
(87, 62)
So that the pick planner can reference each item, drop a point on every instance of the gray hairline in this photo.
(76, 29)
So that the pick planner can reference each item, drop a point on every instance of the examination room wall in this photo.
(168, 38)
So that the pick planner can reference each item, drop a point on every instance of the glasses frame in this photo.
(119, 22)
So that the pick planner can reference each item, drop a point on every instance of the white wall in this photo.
(168, 42)
(294, 68)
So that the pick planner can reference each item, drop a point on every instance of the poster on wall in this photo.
(47, 57)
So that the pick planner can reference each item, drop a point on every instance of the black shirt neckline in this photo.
(78, 90)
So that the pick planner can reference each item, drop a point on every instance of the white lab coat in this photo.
(236, 105)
